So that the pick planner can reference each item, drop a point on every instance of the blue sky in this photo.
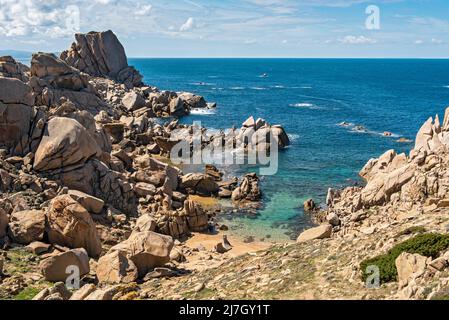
(232, 28)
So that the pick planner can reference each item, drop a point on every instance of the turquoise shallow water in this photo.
(309, 97)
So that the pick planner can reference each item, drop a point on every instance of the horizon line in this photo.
(311, 58)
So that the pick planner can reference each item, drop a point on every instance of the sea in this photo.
(310, 98)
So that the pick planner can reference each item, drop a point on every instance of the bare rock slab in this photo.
(320, 232)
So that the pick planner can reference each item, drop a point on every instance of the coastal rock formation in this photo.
(4, 220)
(400, 181)
(90, 203)
(70, 225)
(55, 267)
(65, 142)
(320, 232)
(27, 226)
(54, 81)
(248, 189)
(100, 54)
(259, 134)
(16, 112)
(146, 250)
(199, 183)
(115, 267)
(10, 68)
(409, 266)
(85, 179)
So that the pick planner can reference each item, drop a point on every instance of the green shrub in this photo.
(428, 245)
(411, 230)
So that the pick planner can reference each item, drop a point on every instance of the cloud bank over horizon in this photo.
(233, 28)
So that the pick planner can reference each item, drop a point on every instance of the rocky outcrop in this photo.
(16, 112)
(65, 142)
(90, 203)
(248, 190)
(197, 218)
(258, 134)
(199, 183)
(320, 232)
(146, 250)
(4, 220)
(115, 267)
(69, 224)
(409, 267)
(401, 182)
(27, 226)
(10, 68)
(100, 54)
(55, 268)
(97, 179)
(54, 81)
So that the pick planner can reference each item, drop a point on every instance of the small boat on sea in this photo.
(264, 75)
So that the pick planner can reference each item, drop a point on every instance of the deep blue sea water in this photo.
(309, 97)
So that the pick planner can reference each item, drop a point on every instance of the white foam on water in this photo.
(201, 111)
(305, 105)
(361, 129)
(293, 137)
(237, 88)
(202, 84)
(258, 88)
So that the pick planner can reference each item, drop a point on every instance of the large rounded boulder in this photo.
(70, 224)
(146, 250)
(65, 142)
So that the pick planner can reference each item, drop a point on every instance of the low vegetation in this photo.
(429, 245)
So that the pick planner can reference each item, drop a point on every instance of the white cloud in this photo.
(27, 17)
(436, 41)
(143, 10)
(102, 1)
(357, 40)
(188, 25)
(419, 42)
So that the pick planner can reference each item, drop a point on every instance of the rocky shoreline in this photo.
(87, 181)
(87, 185)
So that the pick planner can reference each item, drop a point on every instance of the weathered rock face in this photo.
(16, 113)
(27, 226)
(248, 190)
(146, 250)
(258, 134)
(115, 267)
(70, 225)
(4, 220)
(199, 183)
(90, 203)
(309, 205)
(65, 142)
(133, 101)
(145, 223)
(96, 179)
(320, 232)
(177, 108)
(197, 218)
(409, 266)
(55, 268)
(193, 101)
(56, 73)
(10, 68)
(53, 81)
(100, 54)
